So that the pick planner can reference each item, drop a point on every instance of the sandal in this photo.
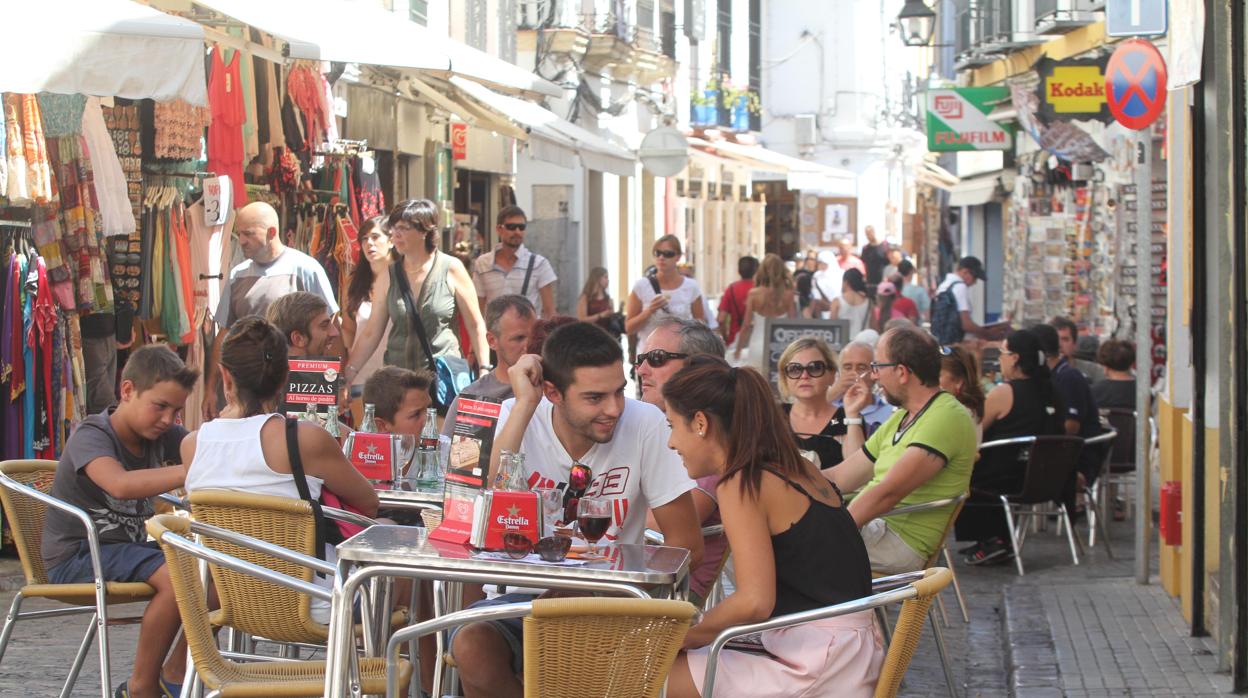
(168, 689)
(123, 691)
(991, 551)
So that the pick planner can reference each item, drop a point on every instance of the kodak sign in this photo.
(957, 119)
(1072, 89)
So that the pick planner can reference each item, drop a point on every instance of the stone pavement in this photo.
(1065, 630)
(1060, 630)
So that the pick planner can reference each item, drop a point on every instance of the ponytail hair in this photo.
(254, 352)
(740, 405)
(1031, 363)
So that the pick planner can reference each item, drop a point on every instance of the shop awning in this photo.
(358, 32)
(800, 174)
(105, 48)
(975, 191)
(558, 136)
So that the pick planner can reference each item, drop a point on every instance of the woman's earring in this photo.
(702, 434)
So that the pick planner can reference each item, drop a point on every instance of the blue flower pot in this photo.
(704, 114)
(740, 115)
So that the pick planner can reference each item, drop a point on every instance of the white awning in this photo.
(359, 32)
(801, 174)
(974, 191)
(596, 152)
(104, 48)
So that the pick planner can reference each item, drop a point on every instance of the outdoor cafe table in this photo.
(405, 495)
(643, 571)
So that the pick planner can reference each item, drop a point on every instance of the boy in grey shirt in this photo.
(112, 465)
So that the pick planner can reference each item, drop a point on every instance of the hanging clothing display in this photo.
(168, 288)
(180, 130)
(111, 190)
(304, 85)
(123, 126)
(80, 224)
(38, 165)
(225, 135)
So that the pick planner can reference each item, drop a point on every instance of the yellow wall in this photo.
(1173, 431)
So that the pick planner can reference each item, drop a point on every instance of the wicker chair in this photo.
(24, 486)
(915, 597)
(642, 638)
(221, 676)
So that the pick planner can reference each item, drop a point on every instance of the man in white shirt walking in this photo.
(512, 268)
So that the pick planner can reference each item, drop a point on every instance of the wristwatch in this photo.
(851, 421)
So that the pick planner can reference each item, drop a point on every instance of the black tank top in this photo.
(824, 443)
(1028, 415)
(821, 559)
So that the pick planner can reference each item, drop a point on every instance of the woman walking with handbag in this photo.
(418, 300)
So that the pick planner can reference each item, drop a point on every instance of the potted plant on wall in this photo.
(705, 102)
(741, 102)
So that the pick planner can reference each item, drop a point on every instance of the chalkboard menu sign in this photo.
(781, 332)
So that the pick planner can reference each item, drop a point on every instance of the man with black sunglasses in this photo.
(672, 342)
(569, 416)
(512, 268)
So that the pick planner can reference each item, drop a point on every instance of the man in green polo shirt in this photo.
(922, 453)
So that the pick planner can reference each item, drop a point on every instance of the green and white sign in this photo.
(957, 119)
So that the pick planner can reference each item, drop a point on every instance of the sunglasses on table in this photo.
(657, 358)
(814, 369)
(550, 549)
(515, 226)
(579, 478)
(666, 254)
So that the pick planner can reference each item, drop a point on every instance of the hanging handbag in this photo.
(327, 530)
(451, 374)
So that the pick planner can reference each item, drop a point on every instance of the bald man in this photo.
(272, 270)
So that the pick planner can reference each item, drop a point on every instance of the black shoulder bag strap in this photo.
(654, 284)
(413, 312)
(524, 290)
(301, 483)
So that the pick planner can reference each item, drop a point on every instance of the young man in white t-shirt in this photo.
(570, 409)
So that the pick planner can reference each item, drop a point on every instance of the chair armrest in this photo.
(451, 620)
(654, 537)
(896, 581)
(345, 516)
(260, 546)
(1013, 441)
(230, 562)
(174, 501)
(924, 506)
(864, 604)
(93, 536)
(1101, 438)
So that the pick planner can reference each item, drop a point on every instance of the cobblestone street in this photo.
(1060, 630)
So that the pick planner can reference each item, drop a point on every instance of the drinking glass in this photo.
(405, 448)
(549, 498)
(593, 518)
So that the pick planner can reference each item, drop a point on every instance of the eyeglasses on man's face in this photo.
(657, 358)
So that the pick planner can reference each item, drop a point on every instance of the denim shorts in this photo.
(120, 562)
(512, 629)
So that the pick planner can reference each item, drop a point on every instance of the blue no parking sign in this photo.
(1135, 84)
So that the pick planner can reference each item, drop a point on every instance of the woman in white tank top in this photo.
(245, 448)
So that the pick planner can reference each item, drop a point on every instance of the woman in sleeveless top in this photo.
(774, 295)
(595, 304)
(668, 292)
(853, 305)
(1025, 405)
(375, 259)
(795, 545)
(807, 371)
(439, 286)
(245, 448)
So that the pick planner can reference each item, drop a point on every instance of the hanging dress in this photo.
(225, 135)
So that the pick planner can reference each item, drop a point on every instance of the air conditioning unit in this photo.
(805, 130)
(1014, 25)
(1064, 15)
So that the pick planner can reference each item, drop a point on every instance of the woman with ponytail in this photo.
(438, 285)
(246, 448)
(1024, 405)
(795, 546)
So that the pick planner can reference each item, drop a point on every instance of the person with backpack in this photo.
(951, 307)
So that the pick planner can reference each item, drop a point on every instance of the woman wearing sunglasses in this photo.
(667, 293)
(823, 432)
(774, 295)
(796, 547)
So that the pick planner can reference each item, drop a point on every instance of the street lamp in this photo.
(917, 21)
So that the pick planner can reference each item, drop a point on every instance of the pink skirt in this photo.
(838, 656)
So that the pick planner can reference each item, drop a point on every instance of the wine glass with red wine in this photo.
(593, 518)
